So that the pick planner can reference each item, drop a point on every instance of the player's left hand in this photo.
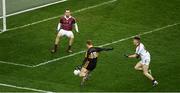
(77, 32)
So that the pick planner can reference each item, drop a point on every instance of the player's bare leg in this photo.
(56, 44)
(88, 76)
(84, 79)
(148, 75)
(138, 66)
(84, 74)
(71, 39)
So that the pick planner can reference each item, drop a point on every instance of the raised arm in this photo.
(103, 49)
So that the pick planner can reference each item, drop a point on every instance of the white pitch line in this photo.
(80, 52)
(144, 33)
(37, 22)
(51, 18)
(43, 63)
(107, 44)
(11, 63)
(24, 88)
(31, 9)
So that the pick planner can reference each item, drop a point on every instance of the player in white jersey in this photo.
(142, 65)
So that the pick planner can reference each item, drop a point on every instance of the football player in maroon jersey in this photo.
(65, 27)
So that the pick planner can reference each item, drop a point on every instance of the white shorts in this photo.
(146, 60)
(66, 33)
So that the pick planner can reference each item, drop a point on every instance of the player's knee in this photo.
(80, 75)
(71, 38)
(145, 72)
(136, 68)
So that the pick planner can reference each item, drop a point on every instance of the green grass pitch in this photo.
(104, 24)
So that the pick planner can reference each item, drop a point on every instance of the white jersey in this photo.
(143, 53)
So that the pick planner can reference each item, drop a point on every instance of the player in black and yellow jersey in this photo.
(90, 61)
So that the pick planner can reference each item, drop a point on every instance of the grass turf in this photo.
(103, 24)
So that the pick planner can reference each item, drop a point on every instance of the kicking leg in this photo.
(84, 74)
(83, 80)
(138, 66)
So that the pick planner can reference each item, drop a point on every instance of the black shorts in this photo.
(90, 65)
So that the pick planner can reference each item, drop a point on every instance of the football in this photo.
(76, 72)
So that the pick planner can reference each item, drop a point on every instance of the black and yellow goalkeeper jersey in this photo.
(91, 56)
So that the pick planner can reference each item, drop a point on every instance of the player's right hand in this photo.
(126, 55)
(57, 31)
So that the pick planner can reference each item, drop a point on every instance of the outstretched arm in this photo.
(104, 49)
(132, 56)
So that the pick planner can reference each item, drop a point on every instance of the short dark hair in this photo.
(89, 42)
(137, 38)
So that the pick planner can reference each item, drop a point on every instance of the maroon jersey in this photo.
(67, 23)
